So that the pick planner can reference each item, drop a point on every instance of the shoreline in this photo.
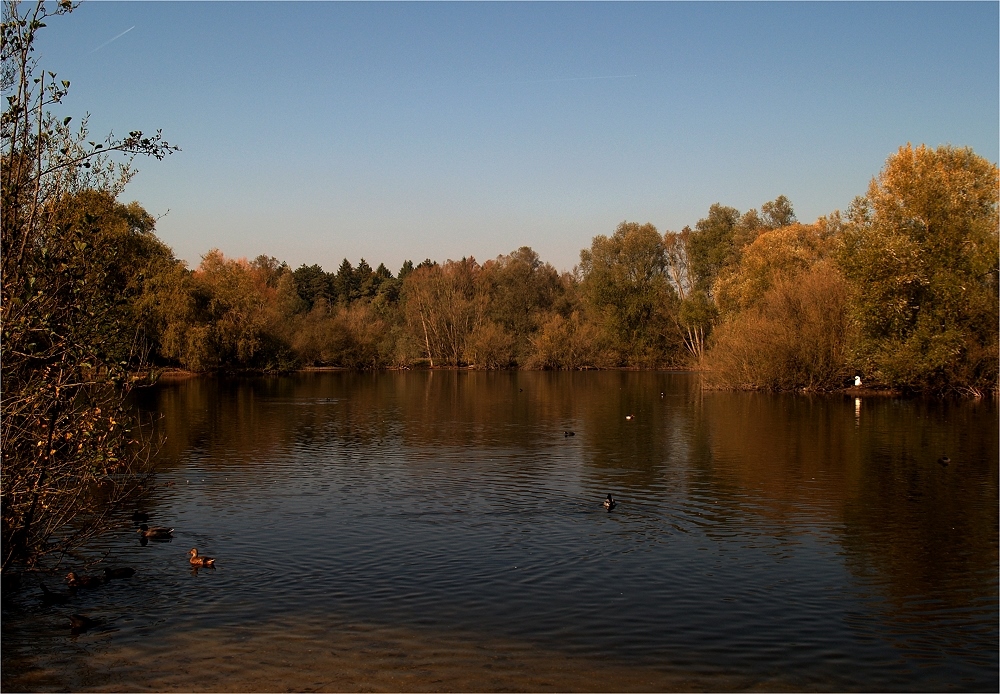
(171, 374)
(179, 374)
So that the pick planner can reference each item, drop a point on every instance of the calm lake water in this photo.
(440, 531)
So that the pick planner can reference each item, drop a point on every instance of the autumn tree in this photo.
(443, 305)
(783, 314)
(696, 314)
(793, 337)
(678, 261)
(521, 291)
(568, 343)
(782, 252)
(719, 239)
(778, 213)
(231, 314)
(712, 245)
(625, 282)
(695, 318)
(123, 252)
(921, 253)
(72, 453)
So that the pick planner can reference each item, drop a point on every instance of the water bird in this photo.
(569, 433)
(120, 572)
(79, 623)
(943, 461)
(156, 532)
(82, 581)
(139, 517)
(200, 561)
(51, 597)
(857, 381)
(629, 416)
(610, 503)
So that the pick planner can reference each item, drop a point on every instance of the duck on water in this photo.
(156, 532)
(197, 560)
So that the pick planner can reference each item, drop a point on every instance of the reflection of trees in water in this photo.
(921, 530)
(637, 427)
(764, 464)
(791, 455)
(212, 416)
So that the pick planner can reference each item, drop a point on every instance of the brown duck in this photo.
(200, 561)
(79, 623)
(75, 581)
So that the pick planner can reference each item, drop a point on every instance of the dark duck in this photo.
(120, 572)
(51, 597)
(156, 532)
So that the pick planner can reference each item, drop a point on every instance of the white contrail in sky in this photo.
(550, 80)
(580, 79)
(113, 39)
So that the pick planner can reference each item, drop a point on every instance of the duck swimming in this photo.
(610, 503)
(156, 532)
(79, 623)
(51, 597)
(200, 561)
(75, 581)
(122, 572)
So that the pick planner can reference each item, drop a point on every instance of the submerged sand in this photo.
(359, 658)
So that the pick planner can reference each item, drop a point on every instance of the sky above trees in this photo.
(317, 131)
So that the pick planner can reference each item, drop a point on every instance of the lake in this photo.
(442, 531)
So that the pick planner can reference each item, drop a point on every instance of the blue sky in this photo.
(315, 131)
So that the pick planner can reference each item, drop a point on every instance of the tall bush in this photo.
(793, 337)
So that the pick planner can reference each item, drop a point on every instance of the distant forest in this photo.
(900, 290)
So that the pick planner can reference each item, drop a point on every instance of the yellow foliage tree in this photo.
(921, 251)
(774, 254)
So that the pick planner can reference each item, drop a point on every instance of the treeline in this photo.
(900, 290)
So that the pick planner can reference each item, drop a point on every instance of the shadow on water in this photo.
(437, 530)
